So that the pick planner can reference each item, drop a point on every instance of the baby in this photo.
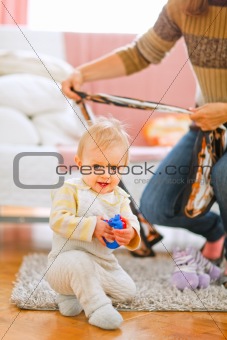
(81, 268)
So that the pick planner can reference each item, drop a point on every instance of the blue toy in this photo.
(116, 222)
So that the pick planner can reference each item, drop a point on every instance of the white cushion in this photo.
(21, 61)
(15, 128)
(31, 94)
(63, 128)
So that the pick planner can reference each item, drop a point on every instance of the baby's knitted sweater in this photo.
(75, 207)
(206, 41)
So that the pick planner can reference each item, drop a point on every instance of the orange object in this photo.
(166, 130)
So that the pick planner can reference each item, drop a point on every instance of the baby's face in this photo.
(100, 168)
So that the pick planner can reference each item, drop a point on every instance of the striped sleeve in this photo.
(64, 219)
(152, 46)
(126, 212)
(132, 59)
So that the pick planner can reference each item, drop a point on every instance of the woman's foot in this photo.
(214, 251)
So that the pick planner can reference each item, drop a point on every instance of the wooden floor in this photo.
(17, 240)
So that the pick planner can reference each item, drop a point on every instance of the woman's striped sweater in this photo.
(206, 41)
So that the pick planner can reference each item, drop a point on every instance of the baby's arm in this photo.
(63, 219)
(130, 236)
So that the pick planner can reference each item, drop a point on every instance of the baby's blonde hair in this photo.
(105, 133)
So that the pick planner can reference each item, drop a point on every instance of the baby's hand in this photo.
(124, 236)
(103, 229)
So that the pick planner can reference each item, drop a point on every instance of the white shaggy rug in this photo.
(151, 275)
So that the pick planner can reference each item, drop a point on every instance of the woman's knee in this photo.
(153, 210)
(149, 197)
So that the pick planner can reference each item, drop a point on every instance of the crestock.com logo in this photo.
(16, 170)
(178, 175)
(61, 169)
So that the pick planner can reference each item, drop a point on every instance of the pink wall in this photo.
(170, 82)
(13, 12)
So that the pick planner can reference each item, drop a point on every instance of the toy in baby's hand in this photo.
(116, 222)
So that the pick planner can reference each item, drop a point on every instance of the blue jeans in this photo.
(162, 197)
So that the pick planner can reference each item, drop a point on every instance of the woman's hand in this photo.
(106, 67)
(74, 81)
(209, 116)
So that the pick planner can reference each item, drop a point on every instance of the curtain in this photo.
(13, 12)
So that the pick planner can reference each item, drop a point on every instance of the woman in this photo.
(203, 25)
